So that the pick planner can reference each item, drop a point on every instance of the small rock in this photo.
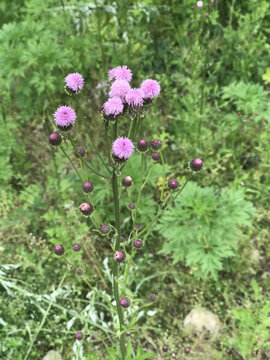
(52, 355)
(202, 320)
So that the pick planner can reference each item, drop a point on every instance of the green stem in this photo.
(43, 319)
(115, 265)
(82, 159)
(140, 190)
(106, 124)
(93, 144)
(164, 180)
(69, 159)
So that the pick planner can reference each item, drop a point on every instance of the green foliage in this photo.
(252, 322)
(130, 355)
(203, 227)
(249, 99)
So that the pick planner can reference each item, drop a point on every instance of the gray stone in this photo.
(201, 320)
(52, 355)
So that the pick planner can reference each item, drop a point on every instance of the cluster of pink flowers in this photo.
(121, 92)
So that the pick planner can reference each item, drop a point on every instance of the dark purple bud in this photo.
(79, 272)
(142, 145)
(118, 160)
(152, 297)
(156, 144)
(165, 348)
(196, 164)
(86, 208)
(125, 302)
(79, 335)
(105, 229)
(93, 337)
(156, 156)
(72, 134)
(173, 184)
(187, 350)
(55, 139)
(122, 239)
(256, 114)
(87, 187)
(59, 250)
(138, 226)
(80, 150)
(137, 243)
(239, 113)
(120, 256)
(127, 181)
(76, 247)
(131, 206)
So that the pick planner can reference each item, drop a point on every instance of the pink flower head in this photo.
(119, 88)
(122, 147)
(135, 97)
(113, 106)
(120, 73)
(150, 88)
(64, 117)
(199, 4)
(74, 82)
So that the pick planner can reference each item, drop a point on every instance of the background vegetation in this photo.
(213, 65)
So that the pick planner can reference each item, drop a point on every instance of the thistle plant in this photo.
(125, 106)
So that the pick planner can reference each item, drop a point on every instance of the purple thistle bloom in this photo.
(120, 73)
(199, 4)
(135, 97)
(79, 335)
(119, 88)
(150, 88)
(122, 147)
(64, 117)
(74, 82)
(113, 106)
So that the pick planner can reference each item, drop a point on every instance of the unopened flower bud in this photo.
(138, 226)
(55, 139)
(87, 187)
(196, 164)
(105, 229)
(79, 272)
(59, 250)
(125, 302)
(122, 239)
(187, 350)
(86, 208)
(173, 184)
(152, 297)
(127, 181)
(137, 243)
(76, 247)
(120, 256)
(156, 144)
(165, 348)
(79, 335)
(81, 151)
(156, 156)
(131, 206)
(142, 145)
